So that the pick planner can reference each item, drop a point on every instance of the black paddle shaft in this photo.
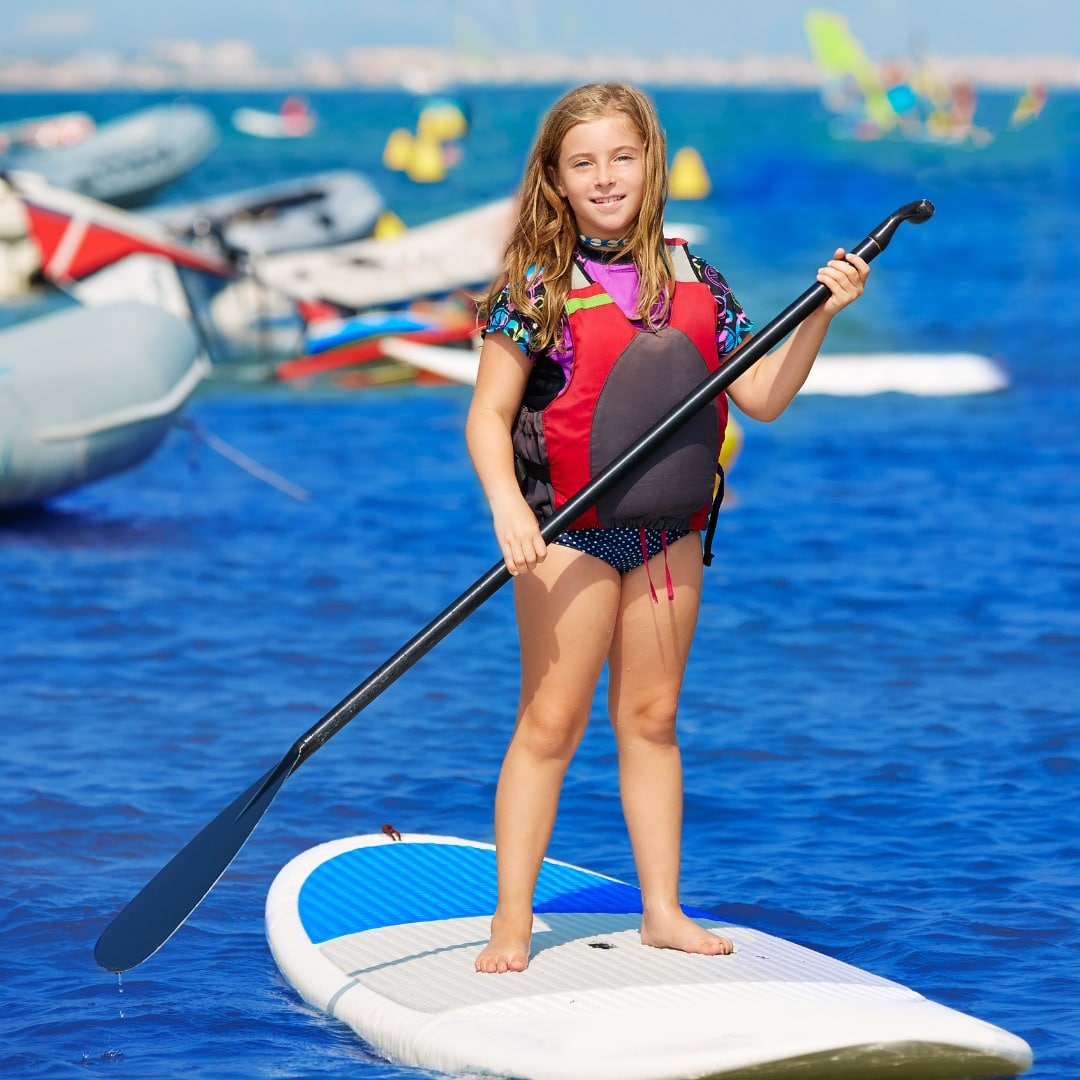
(760, 344)
(152, 916)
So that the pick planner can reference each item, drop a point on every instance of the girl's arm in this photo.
(767, 389)
(500, 385)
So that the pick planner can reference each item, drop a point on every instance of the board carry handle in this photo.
(165, 902)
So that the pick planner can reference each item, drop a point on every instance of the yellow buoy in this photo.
(442, 121)
(688, 178)
(388, 226)
(733, 440)
(398, 149)
(426, 164)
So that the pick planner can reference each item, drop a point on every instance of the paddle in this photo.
(152, 917)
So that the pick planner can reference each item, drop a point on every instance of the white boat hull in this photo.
(128, 160)
(89, 392)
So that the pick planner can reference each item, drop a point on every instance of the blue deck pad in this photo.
(392, 884)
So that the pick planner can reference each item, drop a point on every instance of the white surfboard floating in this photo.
(838, 374)
(922, 374)
(382, 934)
(448, 362)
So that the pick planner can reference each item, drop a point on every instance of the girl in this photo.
(596, 328)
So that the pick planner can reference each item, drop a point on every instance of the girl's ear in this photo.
(553, 176)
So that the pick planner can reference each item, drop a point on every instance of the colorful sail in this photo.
(852, 82)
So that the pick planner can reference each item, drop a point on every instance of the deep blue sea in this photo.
(880, 723)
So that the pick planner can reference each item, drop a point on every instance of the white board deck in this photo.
(837, 374)
(382, 934)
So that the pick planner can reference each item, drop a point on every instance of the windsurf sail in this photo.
(851, 81)
(1029, 105)
(907, 100)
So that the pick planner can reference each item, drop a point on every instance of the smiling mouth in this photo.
(608, 200)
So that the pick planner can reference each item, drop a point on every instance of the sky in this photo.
(725, 29)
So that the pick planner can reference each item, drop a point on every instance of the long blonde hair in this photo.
(545, 234)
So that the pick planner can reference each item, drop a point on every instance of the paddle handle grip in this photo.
(486, 586)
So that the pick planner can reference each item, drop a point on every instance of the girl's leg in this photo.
(650, 648)
(566, 610)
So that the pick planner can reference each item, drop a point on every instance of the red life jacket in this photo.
(622, 381)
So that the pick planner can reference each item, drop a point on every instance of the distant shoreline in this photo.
(234, 66)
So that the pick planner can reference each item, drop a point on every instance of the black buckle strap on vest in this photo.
(714, 515)
(523, 468)
(546, 380)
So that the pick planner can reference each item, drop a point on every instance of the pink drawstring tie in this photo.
(648, 572)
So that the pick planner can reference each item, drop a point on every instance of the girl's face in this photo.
(601, 173)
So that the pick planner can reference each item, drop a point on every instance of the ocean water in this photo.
(880, 724)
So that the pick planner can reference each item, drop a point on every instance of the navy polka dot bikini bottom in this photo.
(624, 549)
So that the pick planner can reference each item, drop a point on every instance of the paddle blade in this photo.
(159, 910)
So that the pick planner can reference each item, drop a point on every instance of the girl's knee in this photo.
(550, 735)
(653, 722)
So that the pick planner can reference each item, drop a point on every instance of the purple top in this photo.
(619, 280)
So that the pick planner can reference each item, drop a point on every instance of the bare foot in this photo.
(674, 930)
(508, 949)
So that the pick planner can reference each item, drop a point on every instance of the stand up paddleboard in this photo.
(382, 934)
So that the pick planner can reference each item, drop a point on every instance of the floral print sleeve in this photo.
(732, 323)
(505, 318)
